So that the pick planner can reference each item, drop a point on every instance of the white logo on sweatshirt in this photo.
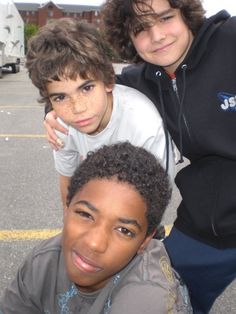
(228, 101)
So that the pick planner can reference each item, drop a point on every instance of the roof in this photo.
(27, 6)
(22, 6)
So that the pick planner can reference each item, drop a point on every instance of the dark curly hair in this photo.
(120, 19)
(67, 48)
(134, 165)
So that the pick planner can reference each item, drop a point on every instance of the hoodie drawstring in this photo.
(180, 116)
(163, 113)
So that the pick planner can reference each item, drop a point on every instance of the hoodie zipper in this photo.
(181, 117)
(175, 89)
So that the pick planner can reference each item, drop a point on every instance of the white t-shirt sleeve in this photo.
(156, 144)
(143, 125)
(66, 162)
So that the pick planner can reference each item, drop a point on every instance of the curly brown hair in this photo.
(67, 48)
(130, 164)
(122, 16)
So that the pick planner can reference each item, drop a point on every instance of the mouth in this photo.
(84, 264)
(84, 122)
(163, 48)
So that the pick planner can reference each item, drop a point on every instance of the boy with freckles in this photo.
(105, 261)
(68, 63)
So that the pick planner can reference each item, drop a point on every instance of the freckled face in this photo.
(104, 227)
(84, 104)
(167, 40)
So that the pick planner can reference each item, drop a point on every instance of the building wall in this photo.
(48, 12)
(41, 15)
(29, 17)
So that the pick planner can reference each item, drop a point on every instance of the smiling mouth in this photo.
(84, 264)
(164, 48)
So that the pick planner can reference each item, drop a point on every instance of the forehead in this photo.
(148, 11)
(113, 198)
(151, 6)
(65, 83)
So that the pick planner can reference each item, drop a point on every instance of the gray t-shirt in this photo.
(146, 285)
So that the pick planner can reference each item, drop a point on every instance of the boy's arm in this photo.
(16, 298)
(64, 183)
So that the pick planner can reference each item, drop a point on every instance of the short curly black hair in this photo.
(130, 164)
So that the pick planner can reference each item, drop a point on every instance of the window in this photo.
(50, 13)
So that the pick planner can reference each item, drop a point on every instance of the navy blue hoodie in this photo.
(201, 118)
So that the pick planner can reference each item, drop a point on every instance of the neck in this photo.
(107, 114)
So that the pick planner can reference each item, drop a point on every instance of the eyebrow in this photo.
(87, 204)
(157, 15)
(78, 88)
(126, 221)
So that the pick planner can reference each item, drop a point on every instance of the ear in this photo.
(109, 88)
(146, 242)
(65, 211)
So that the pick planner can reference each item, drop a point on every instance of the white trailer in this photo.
(11, 36)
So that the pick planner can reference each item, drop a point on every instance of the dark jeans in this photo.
(207, 271)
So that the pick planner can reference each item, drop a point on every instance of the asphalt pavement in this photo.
(30, 205)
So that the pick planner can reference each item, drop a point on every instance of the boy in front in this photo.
(105, 261)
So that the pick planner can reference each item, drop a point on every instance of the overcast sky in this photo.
(212, 6)
(88, 2)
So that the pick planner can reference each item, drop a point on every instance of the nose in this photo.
(97, 239)
(156, 33)
(78, 105)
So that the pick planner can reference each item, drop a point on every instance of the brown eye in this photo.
(87, 88)
(137, 29)
(126, 232)
(83, 214)
(58, 98)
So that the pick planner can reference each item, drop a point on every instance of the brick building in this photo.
(40, 13)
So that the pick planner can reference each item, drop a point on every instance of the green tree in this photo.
(30, 30)
(112, 54)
